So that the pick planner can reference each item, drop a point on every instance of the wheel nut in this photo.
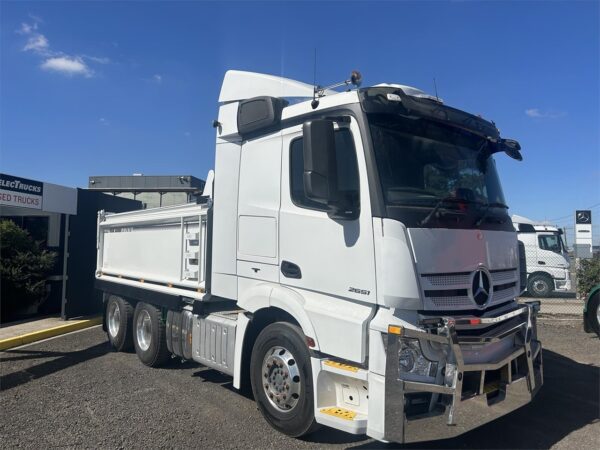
(284, 396)
(287, 387)
(266, 385)
(266, 375)
(270, 395)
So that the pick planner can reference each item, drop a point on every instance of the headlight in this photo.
(412, 364)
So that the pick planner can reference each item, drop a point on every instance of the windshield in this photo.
(422, 162)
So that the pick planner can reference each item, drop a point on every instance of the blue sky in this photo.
(113, 88)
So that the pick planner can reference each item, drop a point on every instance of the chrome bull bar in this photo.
(453, 409)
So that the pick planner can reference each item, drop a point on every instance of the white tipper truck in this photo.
(354, 262)
(546, 255)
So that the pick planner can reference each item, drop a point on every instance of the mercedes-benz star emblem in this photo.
(480, 287)
(583, 216)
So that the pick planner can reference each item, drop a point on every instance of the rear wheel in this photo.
(282, 379)
(540, 285)
(149, 335)
(119, 313)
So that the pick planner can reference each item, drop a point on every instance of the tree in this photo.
(588, 275)
(24, 267)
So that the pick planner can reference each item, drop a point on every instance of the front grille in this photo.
(448, 280)
(502, 276)
(449, 291)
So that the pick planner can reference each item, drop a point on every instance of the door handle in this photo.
(290, 270)
(541, 263)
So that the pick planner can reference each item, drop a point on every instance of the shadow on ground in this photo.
(61, 361)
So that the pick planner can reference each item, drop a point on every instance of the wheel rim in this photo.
(143, 330)
(539, 286)
(281, 379)
(598, 314)
(114, 319)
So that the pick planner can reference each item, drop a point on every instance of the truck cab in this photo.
(354, 262)
(546, 255)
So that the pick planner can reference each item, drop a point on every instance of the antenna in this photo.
(435, 87)
(315, 102)
(315, 69)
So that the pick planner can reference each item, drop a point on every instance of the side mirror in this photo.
(320, 168)
(511, 147)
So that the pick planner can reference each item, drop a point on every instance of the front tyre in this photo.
(149, 336)
(281, 378)
(540, 285)
(119, 313)
(593, 312)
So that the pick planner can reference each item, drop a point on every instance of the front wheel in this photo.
(593, 311)
(149, 335)
(540, 286)
(281, 378)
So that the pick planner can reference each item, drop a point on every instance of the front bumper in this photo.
(478, 393)
(562, 285)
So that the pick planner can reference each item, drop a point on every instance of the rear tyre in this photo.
(149, 335)
(119, 314)
(281, 378)
(540, 286)
(593, 312)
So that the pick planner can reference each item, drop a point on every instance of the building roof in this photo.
(147, 183)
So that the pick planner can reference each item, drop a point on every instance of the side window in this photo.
(549, 242)
(348, 181)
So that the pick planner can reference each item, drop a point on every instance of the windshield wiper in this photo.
(488, 206)
(439, 204)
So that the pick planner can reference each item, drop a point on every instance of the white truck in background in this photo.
(546, 255)
(354, 264)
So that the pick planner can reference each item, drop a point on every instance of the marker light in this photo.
(395, 329)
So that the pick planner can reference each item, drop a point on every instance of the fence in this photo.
(552, 275)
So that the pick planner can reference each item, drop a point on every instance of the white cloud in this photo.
(67, 65)
(37, 43)
(53, 60)
(103, 121)
(27, 28)
(537, 113)
(157, 78)
(97, 59)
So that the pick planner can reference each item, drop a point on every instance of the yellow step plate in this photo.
(341, 366)
(340, 413)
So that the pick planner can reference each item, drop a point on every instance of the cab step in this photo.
(344, 369)
(342, 413)
(342, 419)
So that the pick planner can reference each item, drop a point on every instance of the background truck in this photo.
(354, 264)
(547, 259)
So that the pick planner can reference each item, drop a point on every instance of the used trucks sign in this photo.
(16, 191)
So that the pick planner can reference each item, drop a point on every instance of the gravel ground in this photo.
(73, 391)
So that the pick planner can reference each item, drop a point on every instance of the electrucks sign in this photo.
(16, 191)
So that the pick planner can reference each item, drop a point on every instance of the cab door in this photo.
(258, 210)
(319, 254)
